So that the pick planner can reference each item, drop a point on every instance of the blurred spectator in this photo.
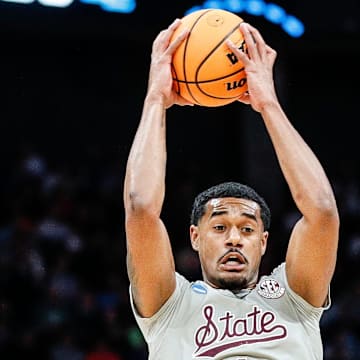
(102, 351)
(66, 349)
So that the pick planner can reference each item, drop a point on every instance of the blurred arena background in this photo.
(72, 81)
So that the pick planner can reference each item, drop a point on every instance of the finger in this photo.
(250, 42)
(251, 47)
(244, 98)
(178, 40)
(240, 55)
(271, 53)
(183, 102)
(163, 38)
(257, 39)
(174, 25)
(171, 29)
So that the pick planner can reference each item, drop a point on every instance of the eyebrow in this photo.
(222, 212)
(218, 213)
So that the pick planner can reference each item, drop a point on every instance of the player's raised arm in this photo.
(149, 256)
(312, 249)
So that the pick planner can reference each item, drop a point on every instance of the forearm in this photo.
(146, 167)
(303, 172)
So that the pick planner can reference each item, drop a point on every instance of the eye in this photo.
(219, 228)
(247, 229)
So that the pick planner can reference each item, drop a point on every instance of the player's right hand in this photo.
(160, 86)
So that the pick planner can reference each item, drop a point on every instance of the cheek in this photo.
(210, 243)
(254, 247)
(208, 251)
(258, 248)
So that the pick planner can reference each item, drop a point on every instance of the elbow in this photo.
(327, 204)
(135, 202)
(333, 215)
(327, 210)
(141, 205)
(321, 207)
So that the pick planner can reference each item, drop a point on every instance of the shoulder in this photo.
(276, 284)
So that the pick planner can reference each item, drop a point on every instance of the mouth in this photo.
(232, 261)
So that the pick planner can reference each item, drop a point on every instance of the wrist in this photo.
(155, 98)
(269, 105)
(271, 110)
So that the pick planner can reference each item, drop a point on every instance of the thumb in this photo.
(183, 102)
(244, 98)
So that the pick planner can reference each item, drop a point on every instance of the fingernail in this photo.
(244, 25)
(185, 32)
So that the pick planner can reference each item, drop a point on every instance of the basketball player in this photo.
(230, 313)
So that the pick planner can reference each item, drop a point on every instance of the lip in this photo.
(232, 261)
(233, 254)
(232, 267)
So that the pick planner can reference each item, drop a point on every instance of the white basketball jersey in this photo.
(268, 322)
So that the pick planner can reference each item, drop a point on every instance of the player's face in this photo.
(231, 240)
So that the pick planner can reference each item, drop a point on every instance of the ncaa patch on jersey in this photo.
(270, 289)
(199, 288)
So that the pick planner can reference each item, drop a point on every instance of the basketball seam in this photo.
(198, 69)
(211, 80)
(175, 78)
(184, 55)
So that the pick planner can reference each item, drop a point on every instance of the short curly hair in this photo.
(229, 189)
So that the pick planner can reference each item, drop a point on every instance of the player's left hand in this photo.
(258, 62)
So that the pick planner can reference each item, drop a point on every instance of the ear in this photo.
(195, 237)
(264, 238)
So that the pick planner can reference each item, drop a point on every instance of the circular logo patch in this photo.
(270, 289)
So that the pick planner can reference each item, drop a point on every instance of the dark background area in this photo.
(72, 85)
(82, 71)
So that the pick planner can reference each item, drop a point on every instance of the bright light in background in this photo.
(271, 12)
(293, 26)
(56, 3)
(20, 1)
(121, 6)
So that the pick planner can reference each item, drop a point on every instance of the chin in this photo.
(232, 282)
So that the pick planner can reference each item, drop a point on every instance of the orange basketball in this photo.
(205, 71)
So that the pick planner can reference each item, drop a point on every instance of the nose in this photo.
(234, 238)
